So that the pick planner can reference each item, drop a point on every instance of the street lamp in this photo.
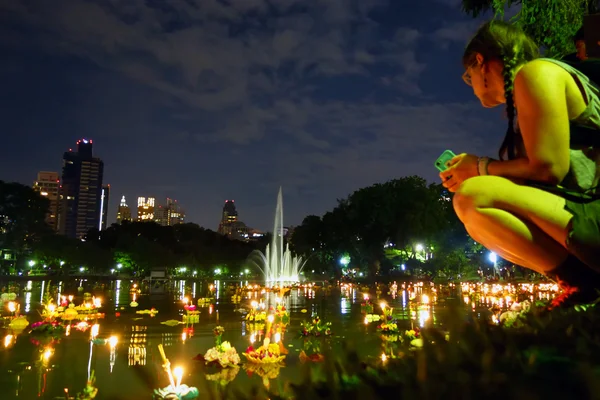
(419, 247)
(31, 263)
(345, 260)
(493, 257)
(119, 266)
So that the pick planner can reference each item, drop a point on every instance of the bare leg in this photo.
(522, 224)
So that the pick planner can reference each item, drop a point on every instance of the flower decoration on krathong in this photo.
(366, 307)
(388, 327)
(46, 332)
(51, 311)
(387, 311)
(268, 353)
(224, 376)
(223, 353)
(281, 314)
(190, 308)
(412, 334)
(315, 327)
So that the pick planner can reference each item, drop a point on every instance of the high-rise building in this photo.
(229, 217)
(81, 191)
(47, 185)
(145, 209)
(124, 213)
(104, 202)
(169, 214)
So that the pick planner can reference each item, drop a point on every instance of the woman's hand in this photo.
(460, 168)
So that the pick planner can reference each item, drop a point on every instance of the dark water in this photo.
(132, 369)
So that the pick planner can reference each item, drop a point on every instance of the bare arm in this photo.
(540, 95)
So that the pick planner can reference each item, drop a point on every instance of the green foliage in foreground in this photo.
(553, 355)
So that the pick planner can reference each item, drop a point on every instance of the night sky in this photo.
(208, 100)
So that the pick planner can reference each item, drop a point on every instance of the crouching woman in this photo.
(537, 205)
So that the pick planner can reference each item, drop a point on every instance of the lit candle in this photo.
(178, 374)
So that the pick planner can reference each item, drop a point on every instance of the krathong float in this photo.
(151, 312)
(222, 354)
(175, 390)
(315, 327)
(268, 353)
(366, 307)
(192, 315)
(18, 324)
(311, 351)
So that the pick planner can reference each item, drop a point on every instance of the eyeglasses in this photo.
(467, 76)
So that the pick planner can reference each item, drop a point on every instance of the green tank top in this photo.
(584, 171)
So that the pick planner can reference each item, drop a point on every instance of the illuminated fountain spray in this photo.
(277, 263)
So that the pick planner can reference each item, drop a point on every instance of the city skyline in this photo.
(321, 99)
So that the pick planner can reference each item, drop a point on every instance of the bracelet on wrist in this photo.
(482, 165)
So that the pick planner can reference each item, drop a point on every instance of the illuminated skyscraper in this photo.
(145, 210)
(124, 213)
(81, 191)
(169, 214)
(229, 218)
(104, 202)
(47, 184)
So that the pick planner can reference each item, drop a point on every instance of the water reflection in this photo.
(77, 354)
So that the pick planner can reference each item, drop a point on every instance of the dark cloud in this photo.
(206, 100)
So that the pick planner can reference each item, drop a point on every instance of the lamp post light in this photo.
(493, 257)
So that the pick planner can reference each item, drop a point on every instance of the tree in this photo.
(403, 211)
(551, 23)
(22, 217)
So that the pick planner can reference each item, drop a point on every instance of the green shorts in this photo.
(583, 240)
(584, 231)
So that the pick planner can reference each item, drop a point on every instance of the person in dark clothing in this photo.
(581, 53)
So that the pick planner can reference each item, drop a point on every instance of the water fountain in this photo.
(277, 263)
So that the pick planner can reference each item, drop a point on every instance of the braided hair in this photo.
(498, 40)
